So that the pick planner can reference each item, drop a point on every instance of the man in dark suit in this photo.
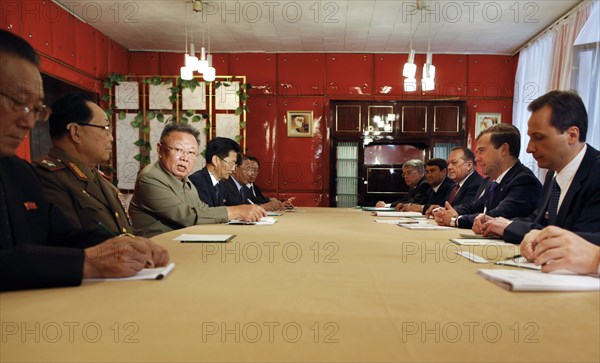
(461, 169)
(511, 191)
(557, 132)
(436, 172)
(256, 195)
(221, 161)
(413, 173)
(38, 247)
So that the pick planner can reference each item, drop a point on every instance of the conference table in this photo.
(319, 285)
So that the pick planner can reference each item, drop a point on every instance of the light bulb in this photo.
(410, 85)
(410, 70)
(210, 74)
(187, 73)
(427, 84)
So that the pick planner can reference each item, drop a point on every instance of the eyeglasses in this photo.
(107, 128)
(407, 173)
(180, 152)
(250, 170)
(39, 112)
(230, 164)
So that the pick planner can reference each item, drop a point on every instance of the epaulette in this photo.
(51, 164)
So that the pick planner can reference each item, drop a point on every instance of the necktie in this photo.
(242, 194)
(218, 195)
(6, 237)
(453, 193)
(491, 193)
(553, 204)
(252, 190)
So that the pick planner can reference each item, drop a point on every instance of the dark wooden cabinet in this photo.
(387, 133)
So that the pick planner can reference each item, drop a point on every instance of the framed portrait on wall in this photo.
(485, 121)
(299, 123)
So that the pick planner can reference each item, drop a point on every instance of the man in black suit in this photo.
(461, 169)
(237, 191)
(557, 132)
(436, 173)
(221, 161)
(38, 247)
(256, 194)
(413, 173)
(511, 191)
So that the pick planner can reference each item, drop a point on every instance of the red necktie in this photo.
(453, 193)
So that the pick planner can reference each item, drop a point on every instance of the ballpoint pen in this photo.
(250, 201)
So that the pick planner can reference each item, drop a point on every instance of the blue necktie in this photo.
(553, 204)
(490, 197)
(242, 194)
(218, 195)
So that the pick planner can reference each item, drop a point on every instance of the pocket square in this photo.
(30, 206)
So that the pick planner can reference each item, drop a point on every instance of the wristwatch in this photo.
(453, 222)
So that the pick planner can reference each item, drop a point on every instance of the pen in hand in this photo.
(149, 263)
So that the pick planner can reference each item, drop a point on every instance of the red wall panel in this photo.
(221, 64)
(118, 60)
(37, 18)
(260, 70)
(85, 44)
(143, 63)
(261, 131)
(349, 74)
(300, 74)
(491, 75)
(170, 63)
(10, 16)
(102, 54)
(300, 159)
(63, 35)
(450, 75)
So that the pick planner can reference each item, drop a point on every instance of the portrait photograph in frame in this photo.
(299, 123)
(485, 120)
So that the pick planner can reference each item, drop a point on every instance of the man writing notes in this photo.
(511, 189)
(39, 248)
(82, 139)
(165, 199)
(256, 195)
(413, 173)
(557, 132)
(436, 171)
(221, 160)
(461, 169)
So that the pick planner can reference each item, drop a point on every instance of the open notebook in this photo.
(145, 274)
(527, 280)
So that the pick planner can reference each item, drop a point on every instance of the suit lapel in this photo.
(580, 176)
(16, 208)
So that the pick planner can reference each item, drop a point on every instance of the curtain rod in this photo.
(555, 23)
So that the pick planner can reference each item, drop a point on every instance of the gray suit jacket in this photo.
(162, 203)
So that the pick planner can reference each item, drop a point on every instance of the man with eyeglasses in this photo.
(256, 195)
(39, 248)
(165, 198)
(221, 160)
(418, 189)
(82, 139)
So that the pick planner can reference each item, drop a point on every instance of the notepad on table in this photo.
(525, 280)
(264, 221)
(274, 214)
(519, 262)
(479, 242)
(378, 209)
(475, 235)
(145, 274)
(204, 238)
(399, 214)
(397, 221)
(424, 226)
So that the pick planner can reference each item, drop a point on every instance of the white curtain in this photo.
(532, 81)
(585, 78)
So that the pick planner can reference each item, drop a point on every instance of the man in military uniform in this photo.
(82, 139)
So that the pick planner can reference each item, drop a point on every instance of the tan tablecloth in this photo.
(319, 285)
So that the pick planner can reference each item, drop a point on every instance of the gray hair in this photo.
(415, 164)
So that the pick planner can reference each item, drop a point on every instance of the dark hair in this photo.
(440, 163)
(252, 158)
(13, 44)
(221, 146)
(468, 153)
(504, 134)
(170, 128)
(69, 108)
(567, 110)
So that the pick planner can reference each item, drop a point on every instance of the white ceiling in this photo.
(381, 26)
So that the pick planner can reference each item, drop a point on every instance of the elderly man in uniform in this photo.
(82, 139)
